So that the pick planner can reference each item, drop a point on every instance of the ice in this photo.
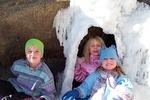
(128, 20)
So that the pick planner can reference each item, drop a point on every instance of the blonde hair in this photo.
(86, 49)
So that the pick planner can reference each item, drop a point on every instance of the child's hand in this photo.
(80, 74)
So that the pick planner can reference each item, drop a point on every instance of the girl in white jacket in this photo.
(107, 83)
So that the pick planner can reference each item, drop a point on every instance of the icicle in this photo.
(62, 23)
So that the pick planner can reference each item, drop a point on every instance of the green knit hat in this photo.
(36, 42)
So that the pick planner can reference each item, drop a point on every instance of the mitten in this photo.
(71, 95)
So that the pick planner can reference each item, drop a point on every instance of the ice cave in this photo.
(127, 20)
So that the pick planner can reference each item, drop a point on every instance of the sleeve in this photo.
(123, 89)
(20, 62)
(79, 73)
(124, 81)
(85, 89)
(48, 88)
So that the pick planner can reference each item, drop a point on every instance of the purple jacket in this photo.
(35, 82)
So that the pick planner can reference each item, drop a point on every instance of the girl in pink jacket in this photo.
(89, 62)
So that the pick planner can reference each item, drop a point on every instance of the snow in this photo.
(128, 20)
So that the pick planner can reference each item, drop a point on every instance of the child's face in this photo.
(33, 55)
(109, 63)
(94, 47)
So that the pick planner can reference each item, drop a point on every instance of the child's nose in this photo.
(32, 53)
(96, 47)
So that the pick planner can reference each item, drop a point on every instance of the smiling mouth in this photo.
(109, 64)
(33, 57)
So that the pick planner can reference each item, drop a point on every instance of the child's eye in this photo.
(111, 58)
(29, 51)
(98, 45)
(37, 51)
(92, 46)
(108, 58)
(105, 58)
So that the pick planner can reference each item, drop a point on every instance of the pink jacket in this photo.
(83, 69)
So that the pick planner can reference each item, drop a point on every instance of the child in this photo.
(90, 60)
(34, 80)
(107, 83)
